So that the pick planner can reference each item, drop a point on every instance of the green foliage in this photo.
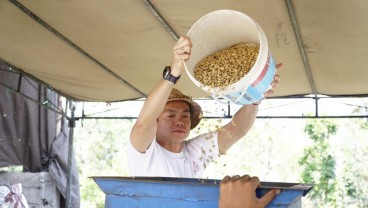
(16, 168)
(100, 147)
(354, 188)
(318, 162)
(320, 129)
(364, 125)
(361, 110)
(343, 187)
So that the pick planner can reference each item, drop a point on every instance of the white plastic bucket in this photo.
(222, 29)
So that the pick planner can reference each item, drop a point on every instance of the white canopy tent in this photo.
(116, 50)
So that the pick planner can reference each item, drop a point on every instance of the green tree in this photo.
(354, 187)
(100, 151)
(319, 163)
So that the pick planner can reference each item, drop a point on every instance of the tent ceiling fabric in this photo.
(116, 50)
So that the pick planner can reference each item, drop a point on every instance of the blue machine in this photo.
(166, 192)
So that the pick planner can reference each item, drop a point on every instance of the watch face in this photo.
(166, 71)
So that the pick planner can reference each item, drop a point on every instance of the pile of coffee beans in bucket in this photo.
(226, 66)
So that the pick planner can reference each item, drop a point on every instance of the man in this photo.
(158, 145)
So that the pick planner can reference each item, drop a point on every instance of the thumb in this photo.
(269, 196)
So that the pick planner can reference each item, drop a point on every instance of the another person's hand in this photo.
(240, 192)
(275, 82)
(181, 52)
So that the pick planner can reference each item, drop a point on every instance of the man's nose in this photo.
(179, 122)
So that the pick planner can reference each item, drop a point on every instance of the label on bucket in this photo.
(255, 91)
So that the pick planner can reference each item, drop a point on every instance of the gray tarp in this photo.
(33, 136)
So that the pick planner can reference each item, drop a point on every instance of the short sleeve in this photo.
(136, 158)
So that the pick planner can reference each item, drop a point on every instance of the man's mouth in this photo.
(178, 131)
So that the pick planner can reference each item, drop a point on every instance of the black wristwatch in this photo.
(168, 76)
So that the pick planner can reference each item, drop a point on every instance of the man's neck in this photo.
(171, 146)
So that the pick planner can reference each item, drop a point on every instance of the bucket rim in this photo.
(252, 74)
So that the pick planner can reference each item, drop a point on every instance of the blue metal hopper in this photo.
(185, 192)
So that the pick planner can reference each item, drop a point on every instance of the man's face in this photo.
(173, 124)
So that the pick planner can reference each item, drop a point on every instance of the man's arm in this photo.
(239, 126)
(145, 128)
(242, 121)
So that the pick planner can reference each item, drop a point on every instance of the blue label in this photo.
(255, 93)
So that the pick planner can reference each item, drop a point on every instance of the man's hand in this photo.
(240, 192)
(275, 82)
(181, 53)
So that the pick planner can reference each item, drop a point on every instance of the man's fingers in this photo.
(255, 182)
(268, 93)
(235, 177)
(279, 66)
(182, 48)
(269, 196)
(184, 43)
(246, 177)
(226, 178)
(275, 83)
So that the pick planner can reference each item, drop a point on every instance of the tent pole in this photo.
(70, 155)
(316, 101)
(164, 22)
(299, 40)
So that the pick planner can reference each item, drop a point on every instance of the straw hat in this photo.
(195, 109)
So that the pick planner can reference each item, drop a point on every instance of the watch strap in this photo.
(168, 76)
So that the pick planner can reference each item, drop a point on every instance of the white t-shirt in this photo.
(159, 162)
